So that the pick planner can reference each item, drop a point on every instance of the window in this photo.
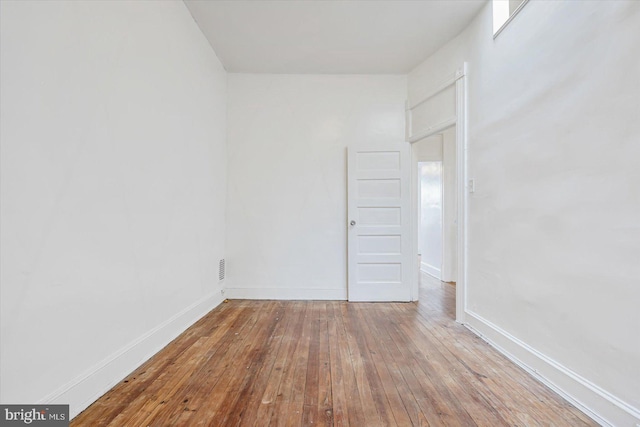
(503, 13)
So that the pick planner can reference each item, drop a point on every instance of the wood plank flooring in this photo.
(309, 363)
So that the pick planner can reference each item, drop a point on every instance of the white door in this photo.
(379, 222)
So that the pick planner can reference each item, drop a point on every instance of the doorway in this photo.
(430, 232)
(436, 213)
(441, 113)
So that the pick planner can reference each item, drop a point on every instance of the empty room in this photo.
(302, 212)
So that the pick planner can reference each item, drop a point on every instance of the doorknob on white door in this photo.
(352, 223)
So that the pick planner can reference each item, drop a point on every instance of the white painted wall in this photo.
(287, 201)
(554, 224)
(449, 207)
(430, 239)
(113, 190)
(428, 149)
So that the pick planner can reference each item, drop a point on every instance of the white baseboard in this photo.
(602, 406)
(430, 270)
(286, 293)
(88, 387)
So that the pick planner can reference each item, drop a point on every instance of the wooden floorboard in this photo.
(331, 363)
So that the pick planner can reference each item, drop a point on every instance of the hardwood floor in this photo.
(307, 363)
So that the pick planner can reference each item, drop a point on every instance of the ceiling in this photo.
(332, 37)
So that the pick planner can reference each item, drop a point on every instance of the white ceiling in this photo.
(343, 36)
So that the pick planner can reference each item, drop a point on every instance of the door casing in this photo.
(459, 80)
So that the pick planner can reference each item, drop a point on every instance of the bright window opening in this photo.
(503, 13)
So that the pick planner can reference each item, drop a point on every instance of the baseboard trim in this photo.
(88, 387)
(597, 403)
(286, 294)
(430, 270)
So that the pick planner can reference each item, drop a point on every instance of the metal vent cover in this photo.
(221, 268)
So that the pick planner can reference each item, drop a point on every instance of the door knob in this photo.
(352, 223)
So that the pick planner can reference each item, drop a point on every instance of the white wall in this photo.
(430, 239)
(113, 190)
(554, 143)
(449, 207)
(428, 149)
(286, 216)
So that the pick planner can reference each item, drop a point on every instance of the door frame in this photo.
(459, 121)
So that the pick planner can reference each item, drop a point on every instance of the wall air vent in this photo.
(221, 270)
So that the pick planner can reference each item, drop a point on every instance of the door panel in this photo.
(379, 222)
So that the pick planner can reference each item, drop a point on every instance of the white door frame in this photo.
(459, 79)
